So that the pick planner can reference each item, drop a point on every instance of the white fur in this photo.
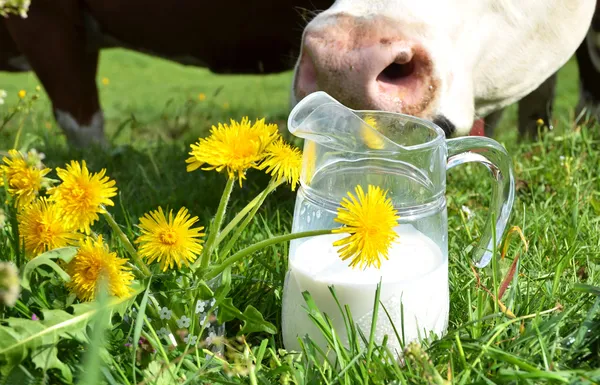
(79, 134)
(487, 53)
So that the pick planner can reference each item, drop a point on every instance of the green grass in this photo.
(554, 337)
(163, 98)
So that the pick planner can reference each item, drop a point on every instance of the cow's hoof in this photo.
(82, 135)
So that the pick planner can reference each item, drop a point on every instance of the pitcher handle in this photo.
(491, 154)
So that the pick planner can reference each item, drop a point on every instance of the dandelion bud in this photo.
(9, 284)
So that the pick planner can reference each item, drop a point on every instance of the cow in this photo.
(538, 105)
(60, 40)
(451, 62)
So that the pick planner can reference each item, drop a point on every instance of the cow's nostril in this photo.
(396, 71)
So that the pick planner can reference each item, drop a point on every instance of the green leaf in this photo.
(227, 311)
(96, 349)
(156, 375)
(139, 323)
(254, 322)
(65, 254)
(57, 317)
(48, 359)
(225, 285)
(20, 376)
(45, 356)
(252, 319)
(10, 337)
(22, 337)
(204, 291)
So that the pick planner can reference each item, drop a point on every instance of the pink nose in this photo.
(366, 64)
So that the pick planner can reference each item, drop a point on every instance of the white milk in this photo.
(416, 275)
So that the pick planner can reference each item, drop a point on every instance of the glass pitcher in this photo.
(408, 157)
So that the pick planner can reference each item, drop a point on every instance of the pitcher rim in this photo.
(440, 134)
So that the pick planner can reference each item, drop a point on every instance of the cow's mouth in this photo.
(395, 72)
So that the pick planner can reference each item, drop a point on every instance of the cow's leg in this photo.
(54, 41)
(588, 61)
(11, 59)
(537, 105)
(491, 122)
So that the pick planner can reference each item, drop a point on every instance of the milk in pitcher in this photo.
(414, 290)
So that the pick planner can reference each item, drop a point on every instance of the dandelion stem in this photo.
(238, 232)
(257, 201)
(19, 130)
(261, 245)
(216, 225)
(126, 243)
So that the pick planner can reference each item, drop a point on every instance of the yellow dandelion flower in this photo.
(283, 162)
(169, 241)
(42, 228)
(22, 94)
(234, 148)
(370, 219)
(93, 262)
(24, 180)
(201, 96)
(371, 139)
(226, 105)
(105, 81)
(81, 195)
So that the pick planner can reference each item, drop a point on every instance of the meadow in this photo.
(532, 316)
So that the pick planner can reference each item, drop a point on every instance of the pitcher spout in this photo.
(322, 119)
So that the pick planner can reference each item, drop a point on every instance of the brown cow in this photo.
(61, 40)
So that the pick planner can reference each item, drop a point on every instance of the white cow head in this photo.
(449, 61)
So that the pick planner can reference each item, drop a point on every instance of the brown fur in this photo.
(61, 39)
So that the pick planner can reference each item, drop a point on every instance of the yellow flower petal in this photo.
(82, 194)
(283, 161)
(370, 220)
(94, 262)
(42, 228)
(233, 148)
(24, 180)
(170, 241)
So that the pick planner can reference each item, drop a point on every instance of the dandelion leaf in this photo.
(47, 358)
(205, 291)
(228, 311)
(156, 375)
(64, 254)
(9, 361)
(253, 320)
(20, 375)
(38, 338)
(21, 338)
